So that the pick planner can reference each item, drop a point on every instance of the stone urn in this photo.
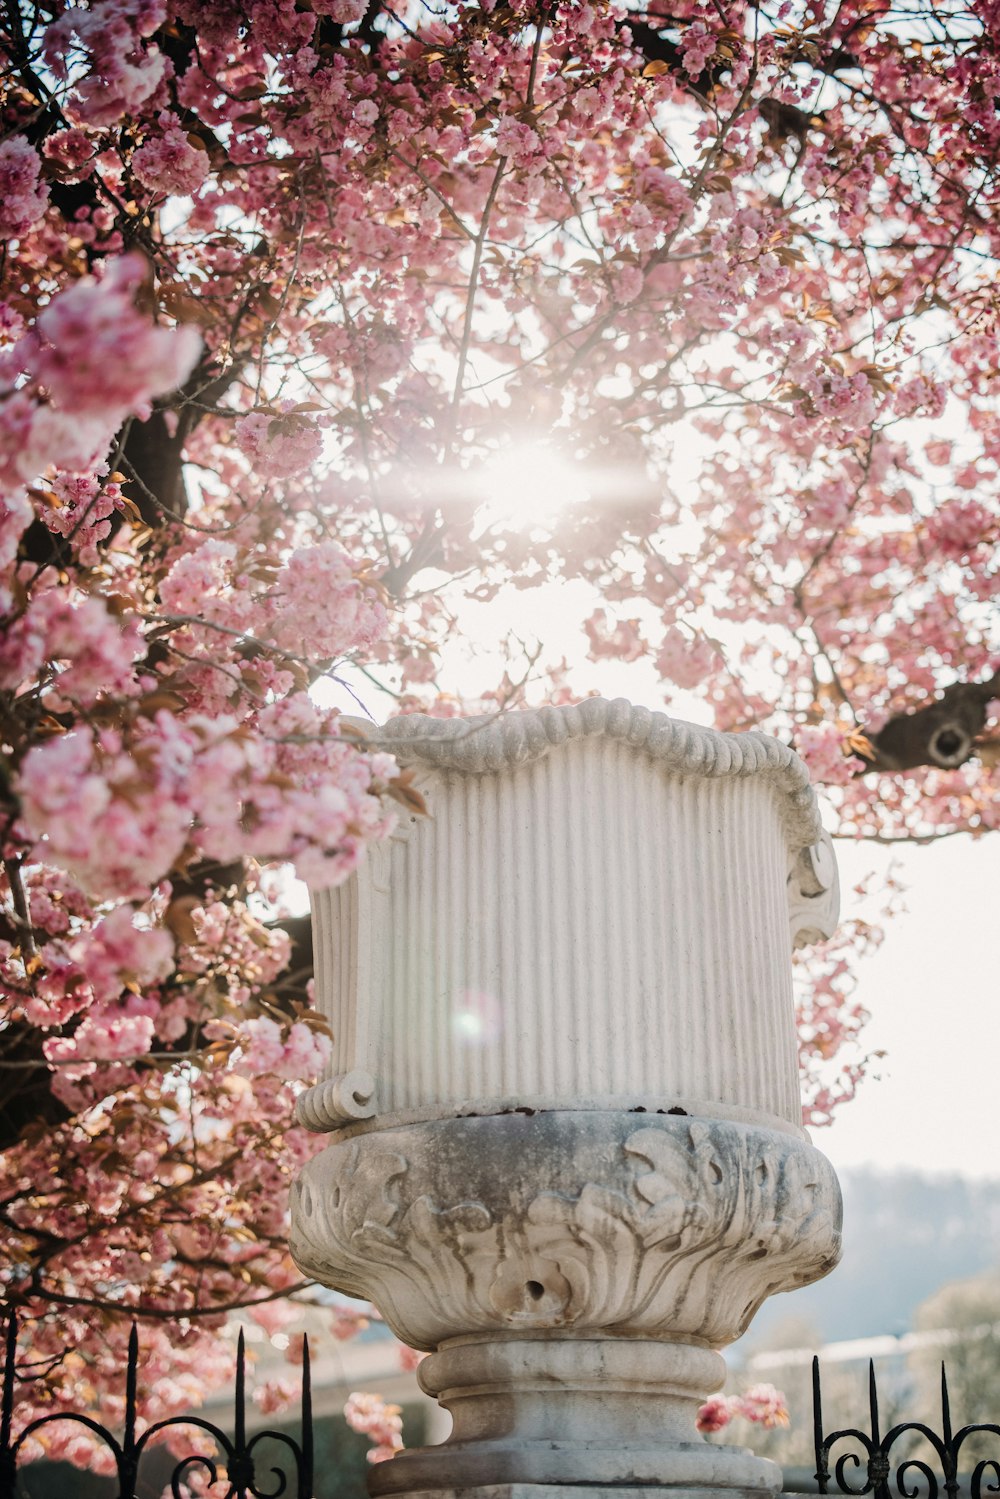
(566, 1152)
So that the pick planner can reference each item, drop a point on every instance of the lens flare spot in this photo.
(475, 1018)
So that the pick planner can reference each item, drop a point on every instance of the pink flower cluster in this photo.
(348, 1321)
(823, 747)
(312, 605)
(962, 527)
(121, 73)
(93, 349)
(382, 1424)
(686, 662)
(697, 47)
(170, 162)
(23, 197)
(89, 651)
(81, 509)
(91, 359)
(298, 1053)
(281, 446)
(116, 812)
(762, 1404)
(117, 952)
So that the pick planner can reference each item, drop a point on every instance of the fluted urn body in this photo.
(566, 1147)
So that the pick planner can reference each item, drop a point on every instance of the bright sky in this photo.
(932, 990)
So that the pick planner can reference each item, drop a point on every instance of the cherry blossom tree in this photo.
(319, 319)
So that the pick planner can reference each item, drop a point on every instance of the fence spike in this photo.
(239, 1421)
(873, 1403)
(306, 1471)
(822, 1471)
(945, 1407)
(131, 1387)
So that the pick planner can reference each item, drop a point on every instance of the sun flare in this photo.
(530, 483)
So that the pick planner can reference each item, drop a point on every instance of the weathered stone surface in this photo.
(574, 1410)
(640, 1225)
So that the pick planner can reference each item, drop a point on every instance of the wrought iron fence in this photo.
(234, 1460)
(869, 1454)
(867, 1459)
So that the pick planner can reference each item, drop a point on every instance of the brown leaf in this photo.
(403, 791)
(161, 701)
(178, 918)
(859, 744)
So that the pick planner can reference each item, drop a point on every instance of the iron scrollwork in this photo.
(233, 1460)
(881, 1473)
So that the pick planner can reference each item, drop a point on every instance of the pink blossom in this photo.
(685, 661)
(97, 351)
(300, 1052)
(23, 198)
(620, 640)
(121, 73)
(170, 161)
(517, 141)
(272, 1316)
(283, 445)
(307, 1051)
(823, 748)
(410, 1359)
(765, 1405)
(117, 952)
(35, 437)
(345, 12)
(86, 505)
(920, 394)
(959, 527)
(96, 651)
(697, 47)
(381, 1423)
(275, 1395)
(15, 515)
(108, 1032)
(320, 607)
(347, 1321)
(70, 149)
(628, 283)
(262, 1047)
(114, 822)
(714, 1415)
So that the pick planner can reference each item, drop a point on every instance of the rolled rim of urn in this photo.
(505, 740)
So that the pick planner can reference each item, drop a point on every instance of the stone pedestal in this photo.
(566, 1153)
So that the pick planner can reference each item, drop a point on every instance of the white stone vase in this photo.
(566, 1152)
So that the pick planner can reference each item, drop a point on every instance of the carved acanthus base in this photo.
(572, 1274)
(602, 1223)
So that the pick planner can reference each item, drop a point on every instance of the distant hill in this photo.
(905, 1235)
